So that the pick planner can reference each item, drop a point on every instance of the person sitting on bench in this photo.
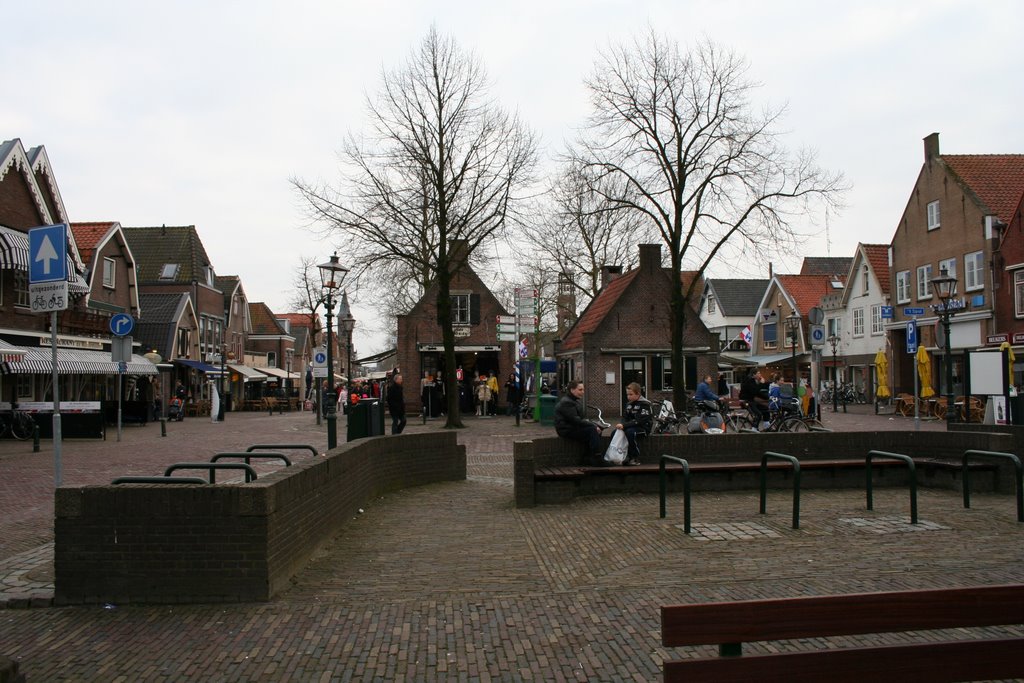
(570, 423)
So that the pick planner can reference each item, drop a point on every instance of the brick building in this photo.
(624, 336)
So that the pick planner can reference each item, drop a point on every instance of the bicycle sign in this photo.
(47, 297)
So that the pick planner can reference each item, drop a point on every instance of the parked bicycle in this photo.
(666, 420)
(17, 424)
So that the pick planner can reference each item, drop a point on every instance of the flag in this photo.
(523, 350)
(748, 335)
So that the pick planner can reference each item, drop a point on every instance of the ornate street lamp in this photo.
(332, 274)
(834, 341)
(793, 328)
(945, 288)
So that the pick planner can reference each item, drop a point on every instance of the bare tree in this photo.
(696, 159)
(582, 232)
(442, 165)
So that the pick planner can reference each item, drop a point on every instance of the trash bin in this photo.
(547, 409)
(358, 421)
(374, 417)
(1017, 410)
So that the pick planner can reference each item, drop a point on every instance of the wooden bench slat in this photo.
(837, 615)
(934, 662)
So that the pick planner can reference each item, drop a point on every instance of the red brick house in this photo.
(624, 336)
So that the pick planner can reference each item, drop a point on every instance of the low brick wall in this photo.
(703, 448)
(230, 542)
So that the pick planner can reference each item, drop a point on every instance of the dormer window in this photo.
(169, 271)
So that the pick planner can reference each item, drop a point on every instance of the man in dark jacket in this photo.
(638, 420)
(571, 424)
(396, 404)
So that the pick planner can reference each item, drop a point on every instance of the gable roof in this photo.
(155, 246)
(160, 314)
(89, 235)
(826, 265)
(298, 320)
(806, 290)
(263, 320)
(877, 256)
(738, 297)
(997, 180)
(596, 310)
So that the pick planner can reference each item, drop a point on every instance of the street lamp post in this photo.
(945, 289)
(223, 361)
(833, 341)
(288, 353)
(347, 323)
(332, 274)
(793, 327)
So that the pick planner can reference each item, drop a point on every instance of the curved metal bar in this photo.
(283, 447)
(1018, 479)
(796, 483)
(212, 467)
(663, 487)
(913, 478)
(249, 455)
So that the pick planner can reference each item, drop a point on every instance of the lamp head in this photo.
(332, 273)
(945, 286)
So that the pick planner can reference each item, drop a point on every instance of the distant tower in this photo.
(565, 303)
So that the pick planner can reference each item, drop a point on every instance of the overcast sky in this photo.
(188, 112)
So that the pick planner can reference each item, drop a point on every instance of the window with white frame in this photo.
(769, 336)
(876, 319)
(711, 303)
(460, 309)
(866, 284)
(858, 322)
(934, 218)
(903, 287)
(924, 282)
(109, 271)
(974, 271)
(1018, 293)
(835, 327)
(21, 288)
(948, 265)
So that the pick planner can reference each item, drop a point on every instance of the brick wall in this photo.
(702, 448)
(231, 542)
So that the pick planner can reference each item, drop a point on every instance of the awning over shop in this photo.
(205, 368)
(248, 374)
(38, 361)
(276, 372)
(768, 359)
(14, 255)
(10, 352)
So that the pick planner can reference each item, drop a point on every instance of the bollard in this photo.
(163, 426)
(270, 408)
(35, 439)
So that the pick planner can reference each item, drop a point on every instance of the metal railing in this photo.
(796, 483)
(248, 456)
(212, 467)
(913, 479)
(1018, 478)
(663, 487)
(282, 447)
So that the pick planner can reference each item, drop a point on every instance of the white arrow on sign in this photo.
(46, 254)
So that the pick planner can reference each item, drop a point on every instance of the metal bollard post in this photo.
(163, 426)
(35, 439)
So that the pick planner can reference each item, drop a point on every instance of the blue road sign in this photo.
(911, 336)
(320, 358)
(122, 324)
(886, 312)
(48, 254)
(913, 311)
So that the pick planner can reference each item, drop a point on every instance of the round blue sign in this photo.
(319, 357)
(122, 324)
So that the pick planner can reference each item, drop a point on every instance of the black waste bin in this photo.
(547, 409)
(374, 417)
(1017, 410)
(365, 418)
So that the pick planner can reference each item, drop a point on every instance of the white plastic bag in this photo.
(618, 448)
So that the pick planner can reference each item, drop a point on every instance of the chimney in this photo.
(609, 273)
(931, 147)
(650, 258)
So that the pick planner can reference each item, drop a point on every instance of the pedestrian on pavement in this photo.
(396, 404)
(570, 423)
(511, 394)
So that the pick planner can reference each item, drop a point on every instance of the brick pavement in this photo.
(451, 582)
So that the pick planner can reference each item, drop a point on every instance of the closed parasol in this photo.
(924, 370)
(1009, 357)
(882, 371)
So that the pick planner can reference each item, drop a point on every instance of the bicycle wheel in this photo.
(795, 424)
(737, 422)
(814, 424)
(22, 426)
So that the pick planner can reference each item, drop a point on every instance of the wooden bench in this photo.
(731, 624)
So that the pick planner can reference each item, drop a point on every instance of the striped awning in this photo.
(10, 352)
(39, 361)
(247, 373)
(14, 255)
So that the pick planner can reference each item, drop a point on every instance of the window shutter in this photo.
(691, 371)
(474, 309)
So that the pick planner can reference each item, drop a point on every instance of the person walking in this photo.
(396, 404)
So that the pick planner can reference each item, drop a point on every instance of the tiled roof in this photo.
(738, 297)
(159, 313)
(826, 265)
(155, 246)
(997, 179)
(296, 320)
(88, 236)
(598, 308)
(263, 320)
(806, 290)
(878, 257)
